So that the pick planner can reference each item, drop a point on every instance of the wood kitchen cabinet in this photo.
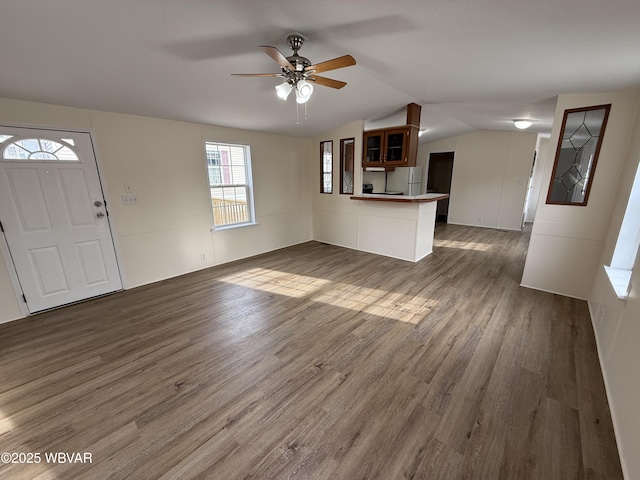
(390, 147)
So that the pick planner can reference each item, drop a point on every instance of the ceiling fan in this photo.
(298, 71)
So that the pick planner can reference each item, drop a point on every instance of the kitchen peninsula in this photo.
(384, 197)
(399, 226)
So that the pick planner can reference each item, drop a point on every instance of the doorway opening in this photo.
(439, 180)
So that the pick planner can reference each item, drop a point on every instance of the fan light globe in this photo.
(522, 124)
(303, 91)
(283, 90)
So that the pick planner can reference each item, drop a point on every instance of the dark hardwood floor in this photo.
(316, 362)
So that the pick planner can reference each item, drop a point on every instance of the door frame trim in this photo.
(4, 246)
(13, 278)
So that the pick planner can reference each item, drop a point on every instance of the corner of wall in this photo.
(333, 215)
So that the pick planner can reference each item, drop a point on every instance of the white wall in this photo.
(566, 241)
(334, 215)
(490, 175)
(164, 234)
(617, 326)
(542, 148)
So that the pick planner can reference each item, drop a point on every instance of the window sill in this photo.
(234, 226)
(620, 280)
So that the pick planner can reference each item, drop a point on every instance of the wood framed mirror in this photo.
(577, 155)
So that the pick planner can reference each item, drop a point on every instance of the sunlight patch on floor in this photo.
(373, 301)
(6, 424)
(37, 469)
(462, 245)
(273, 281)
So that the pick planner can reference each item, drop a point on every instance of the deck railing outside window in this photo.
(227, 212)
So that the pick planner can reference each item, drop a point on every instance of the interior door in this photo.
(54, 217)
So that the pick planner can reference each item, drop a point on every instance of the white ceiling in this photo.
(469, 63)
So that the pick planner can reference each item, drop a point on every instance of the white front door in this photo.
(54, 217)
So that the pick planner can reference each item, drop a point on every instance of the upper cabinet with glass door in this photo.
(392, 147)
(396, 145)
(373, 144)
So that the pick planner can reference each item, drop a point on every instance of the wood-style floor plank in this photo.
(316, 362)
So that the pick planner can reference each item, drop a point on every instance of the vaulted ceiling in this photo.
(469, 63)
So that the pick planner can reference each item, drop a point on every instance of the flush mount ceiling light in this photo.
(522, 124)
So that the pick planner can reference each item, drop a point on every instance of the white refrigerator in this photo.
(407, 180)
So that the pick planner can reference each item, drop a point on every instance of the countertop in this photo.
(376, 197)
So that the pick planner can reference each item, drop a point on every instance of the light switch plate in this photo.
(130, 199)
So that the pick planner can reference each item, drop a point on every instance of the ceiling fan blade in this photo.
(340, 62)
(326, 82)
(257, 75)
(277, 56)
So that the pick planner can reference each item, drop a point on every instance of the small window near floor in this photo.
(326, 166)
(230, 184)
(626, 251)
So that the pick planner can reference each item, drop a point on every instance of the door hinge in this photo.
(24, 298)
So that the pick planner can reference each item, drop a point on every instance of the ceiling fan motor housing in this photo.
(295, 41)
(299, 62)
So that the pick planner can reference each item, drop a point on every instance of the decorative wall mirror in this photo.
(346, 165)
(577, 154)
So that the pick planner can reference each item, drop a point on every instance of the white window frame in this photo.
(326, 167)
(625, 253)
(248, 186)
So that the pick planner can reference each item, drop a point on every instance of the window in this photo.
(213, 166)
(229, 172)
(326, 166)
(626, 251)
(346, 165)
(37, 149)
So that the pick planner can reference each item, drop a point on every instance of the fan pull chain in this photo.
(298, 113)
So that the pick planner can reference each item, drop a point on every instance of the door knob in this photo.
(97, 203)
(99, 214)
